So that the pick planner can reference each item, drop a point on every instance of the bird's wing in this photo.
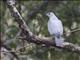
(60, 27)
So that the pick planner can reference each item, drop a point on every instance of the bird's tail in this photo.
(59, 41)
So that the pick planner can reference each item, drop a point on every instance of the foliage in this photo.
(67, 11)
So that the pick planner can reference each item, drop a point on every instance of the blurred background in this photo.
(67, 11)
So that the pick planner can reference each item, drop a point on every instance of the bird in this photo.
(55, 27)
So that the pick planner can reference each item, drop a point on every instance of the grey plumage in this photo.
(55, 28)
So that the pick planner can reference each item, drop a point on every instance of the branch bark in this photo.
(30, 37)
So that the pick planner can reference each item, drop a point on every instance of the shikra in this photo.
(55, 28)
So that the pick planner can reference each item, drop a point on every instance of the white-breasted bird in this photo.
(55, 28)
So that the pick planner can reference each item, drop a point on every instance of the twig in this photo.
(73, 31)
(9, 49)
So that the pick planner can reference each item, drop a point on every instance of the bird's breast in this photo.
(55, 26)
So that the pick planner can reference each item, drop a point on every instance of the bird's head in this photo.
(50, 14)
